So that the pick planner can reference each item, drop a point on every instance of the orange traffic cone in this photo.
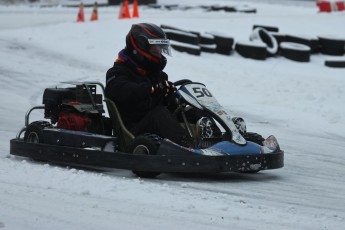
(121, 10)
(94, 15)
(135, 9)
(81, 16)
(124, 10)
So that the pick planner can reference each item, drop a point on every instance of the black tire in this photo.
(245, 9)
(295, 51)
(182, 36)
(208, 48)
(34, 131)
(188, 48)
(223, 41)
(34, 134)
(154, 6)
(171, 7)
(335, 63)
(171, 28)
(229, 9)
(279, 37)
(251, 50)
(253, 137)
(313, 43)
(224, 44)
(207, 39)
(268, 28)
(217, 8)
(224, 50)
(146, 144)
(264, 36)
(332, 45)
(256, 138)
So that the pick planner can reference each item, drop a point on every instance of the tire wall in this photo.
(265, 41)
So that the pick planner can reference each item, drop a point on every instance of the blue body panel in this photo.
(221, 148)
(228, 148)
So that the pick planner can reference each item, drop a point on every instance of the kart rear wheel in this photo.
(34, 134)
(34, 131)
(146, 144)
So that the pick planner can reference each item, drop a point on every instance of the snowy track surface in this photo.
(302, 104)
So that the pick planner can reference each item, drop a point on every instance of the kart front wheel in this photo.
(253, 137)
(256, 138)
(146, 144)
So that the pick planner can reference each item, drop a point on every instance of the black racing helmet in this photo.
(146, 43)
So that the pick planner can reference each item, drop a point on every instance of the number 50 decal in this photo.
(201, 92)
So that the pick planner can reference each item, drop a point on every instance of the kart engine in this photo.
(73, 121)
(76, 108)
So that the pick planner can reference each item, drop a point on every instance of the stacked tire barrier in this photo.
(194, 42)
(267, 41)
(224, 44)
(206, 8)
(207, 43)
(183, 40)
(264, 42)
(253, 50)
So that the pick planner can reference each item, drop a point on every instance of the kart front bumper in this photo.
(184, 163)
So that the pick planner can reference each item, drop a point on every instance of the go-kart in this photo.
(80, 133)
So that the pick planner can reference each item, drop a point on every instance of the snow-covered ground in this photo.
(302, 104)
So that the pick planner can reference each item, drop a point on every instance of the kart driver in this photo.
(140, 88)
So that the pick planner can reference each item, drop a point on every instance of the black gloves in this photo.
(163, 88)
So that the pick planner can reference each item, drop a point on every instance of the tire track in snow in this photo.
(33, 60)
(24, 60)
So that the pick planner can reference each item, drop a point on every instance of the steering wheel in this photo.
(182, 81)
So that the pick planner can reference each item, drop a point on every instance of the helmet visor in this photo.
(159, 46)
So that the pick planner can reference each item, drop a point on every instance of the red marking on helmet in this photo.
(152, 58)
(147, 31)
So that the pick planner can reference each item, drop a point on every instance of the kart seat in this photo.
(124, 136)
